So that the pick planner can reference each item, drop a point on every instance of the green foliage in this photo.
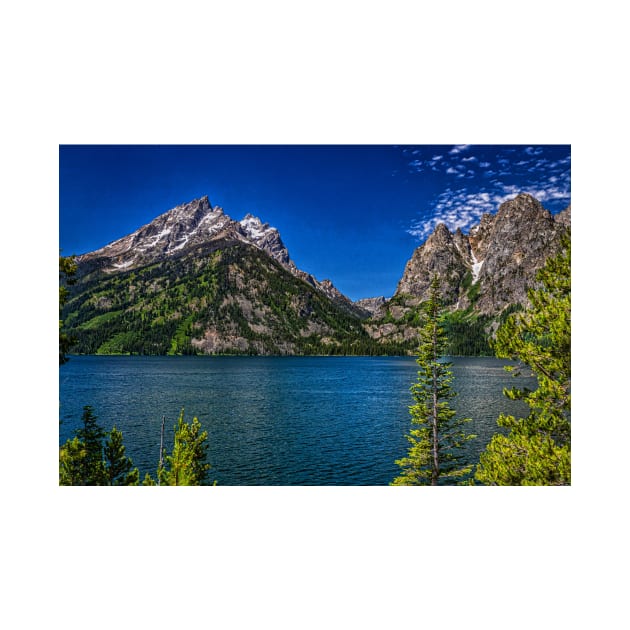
(466, 334)
(186, 465)
(148, 480)
(98, 320)
(91, 435)
(524, 459)
(436, 438)
(67, 271)
(86, 461)
(119, 343)
(118, 467)
(72, 456)
(467, 280)
(161, 308)
(537, 449)
(473, 292)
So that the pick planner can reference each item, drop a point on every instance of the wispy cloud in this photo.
(456, 208)
(533, 150)
(492, 176)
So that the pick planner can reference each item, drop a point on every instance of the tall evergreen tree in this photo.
(436, 437)
(91, 435)
(118, 467)
(187, 464)
(537, 449)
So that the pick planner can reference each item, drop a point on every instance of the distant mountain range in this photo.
(194, 280)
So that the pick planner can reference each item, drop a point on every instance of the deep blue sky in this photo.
(353, 214)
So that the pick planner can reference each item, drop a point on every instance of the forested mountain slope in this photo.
(195, 281)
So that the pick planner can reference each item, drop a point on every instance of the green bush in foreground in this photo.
(96, 458)
(537, 449)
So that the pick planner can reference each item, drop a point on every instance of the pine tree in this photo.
(186, 465)
(86, 461)
(537, 449)
(436, 438)
(118, 467)
(91, 436)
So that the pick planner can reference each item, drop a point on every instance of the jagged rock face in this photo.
(522, 236)
(463, 245)
(564, 217)
(500, 255)
(479, 236)
(181, 228)
(483, 272)
(191, 225)
(331, 292)
(439, 255)
(265, 238)
(372, 305)
(184, 227)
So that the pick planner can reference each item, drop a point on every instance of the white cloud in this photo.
(463, 208)
(503, 176)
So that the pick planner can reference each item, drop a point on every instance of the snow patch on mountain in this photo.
(476, 268)
(254, 227)
(197, 222)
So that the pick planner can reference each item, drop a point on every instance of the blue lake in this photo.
(277, 420)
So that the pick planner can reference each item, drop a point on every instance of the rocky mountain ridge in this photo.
(224, 296)
(500, 257)
(195, 223)
(195, 280)
(481, 273)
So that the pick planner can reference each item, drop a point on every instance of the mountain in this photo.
(191, 224)
(499, 257)
(371, 305)
(483, 274)
(195, 281)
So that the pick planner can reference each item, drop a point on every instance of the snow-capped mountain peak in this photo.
(195, 223)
